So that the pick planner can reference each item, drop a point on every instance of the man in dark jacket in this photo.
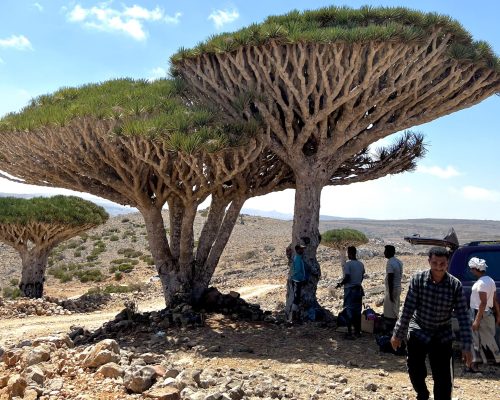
(426, 317)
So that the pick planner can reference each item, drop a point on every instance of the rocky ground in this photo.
(93, 347)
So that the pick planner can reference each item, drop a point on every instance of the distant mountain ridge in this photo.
(394, 230)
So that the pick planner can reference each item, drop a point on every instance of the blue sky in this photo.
(45, 45)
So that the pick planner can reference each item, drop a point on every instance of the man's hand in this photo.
(467, 358)
(395, 343)
(475, 325)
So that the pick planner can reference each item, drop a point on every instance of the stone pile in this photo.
(23, 307)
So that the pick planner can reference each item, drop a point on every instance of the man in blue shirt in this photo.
(432, 296)
(298, 277)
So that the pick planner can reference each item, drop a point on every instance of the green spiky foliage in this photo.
(341, 238)
(344, 24)
(149, 109)
(71, 211)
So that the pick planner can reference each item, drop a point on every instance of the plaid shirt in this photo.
(428, 309)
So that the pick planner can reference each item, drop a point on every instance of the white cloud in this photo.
(38, 6)
(19, 42)
(222, 17)
(444, 173)
(157, 73)
(173, 20)
(129, 21)
(478, 193)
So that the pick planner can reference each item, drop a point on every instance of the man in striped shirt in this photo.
(432, 297)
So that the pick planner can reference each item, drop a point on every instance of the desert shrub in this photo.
(77, 253)
(247, 255)
(130, 253)
(269, 248)
(118, 276)
(11, 292)
(125, 267)
(99, 247)
(14, 282)
(147, 259)
(124, 261)
(116, 289)
(84, 237)
(72, 244)
(125, 220)
(114, 238)
(89, 275)
(64, 272)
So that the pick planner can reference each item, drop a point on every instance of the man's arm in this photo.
(496, 306)
(390, 282)
(410, 304)
(483, 298)
(463, 319)
(346, 279)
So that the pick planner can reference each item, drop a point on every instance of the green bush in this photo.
(124, 261)
(116, 289)
(11, 292)
(114, 238)
(118, 276)
(124, 220)
(77, 253)
(90, 275)
(147, 259)
(64, 272)
(130, 253)
(14, 282)
(127, 268)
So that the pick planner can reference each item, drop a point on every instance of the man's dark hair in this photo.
(351, 251)
(438, 252)
(390, 250)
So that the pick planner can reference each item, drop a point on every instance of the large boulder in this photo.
(139, 378)
(104, 352)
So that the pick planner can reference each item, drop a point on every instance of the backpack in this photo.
(384, 344)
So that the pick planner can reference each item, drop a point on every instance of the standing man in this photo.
(354, 272)
(432, 296)
(483, 307)
(392, 300)
(298, 277)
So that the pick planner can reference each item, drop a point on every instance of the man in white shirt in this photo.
(483, 302)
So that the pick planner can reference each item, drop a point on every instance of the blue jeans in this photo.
(353, 304)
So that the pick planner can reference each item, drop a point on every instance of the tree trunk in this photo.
(34, 263)
(306, 231)
(166, 265)
(205, 268)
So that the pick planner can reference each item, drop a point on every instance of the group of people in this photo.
(433, 297)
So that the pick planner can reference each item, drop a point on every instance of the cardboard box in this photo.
(367, 325)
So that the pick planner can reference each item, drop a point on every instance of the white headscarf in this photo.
(478, 263)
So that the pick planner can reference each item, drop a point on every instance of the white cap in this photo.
(477, 263)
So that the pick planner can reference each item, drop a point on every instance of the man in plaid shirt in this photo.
(426, 318)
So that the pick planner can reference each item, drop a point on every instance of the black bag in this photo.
(384, 344)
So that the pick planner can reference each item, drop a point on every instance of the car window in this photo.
(492, 260)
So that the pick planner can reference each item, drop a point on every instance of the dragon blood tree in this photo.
(135, 143)
(340, 239)
(330, 82)
(35, 226)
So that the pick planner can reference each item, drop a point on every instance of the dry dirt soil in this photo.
(313, 360)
